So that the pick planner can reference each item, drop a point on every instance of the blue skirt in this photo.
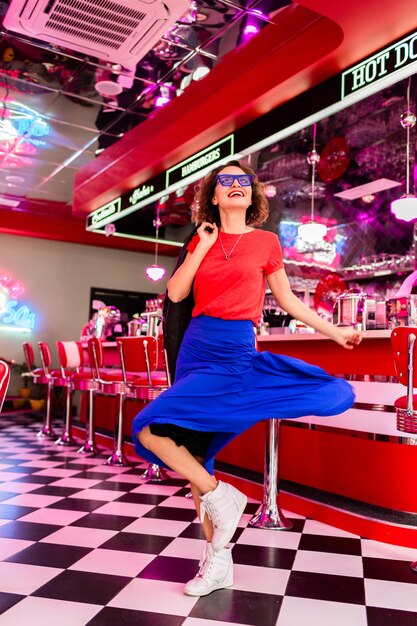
(223, 385)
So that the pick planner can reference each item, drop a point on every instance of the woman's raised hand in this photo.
(208, 234)
(348, 337)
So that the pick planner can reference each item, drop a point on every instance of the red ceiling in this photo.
(309, 42)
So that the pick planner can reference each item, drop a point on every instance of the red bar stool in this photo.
(403, 342)
(57, 378)
(112, 384)
(71, 358)
(145, 354)
(39, 378)
(4, 381)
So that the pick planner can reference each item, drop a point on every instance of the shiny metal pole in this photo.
(154, 472)
(269, 514)
(47, 430)
(90, 446)
(66, 439)
(414, 566)
(118, 457)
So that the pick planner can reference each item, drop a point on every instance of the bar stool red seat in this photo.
(40, 378)
(58, 378)
(145, 354)
(112, 384)
(4, 381)
(71, 358)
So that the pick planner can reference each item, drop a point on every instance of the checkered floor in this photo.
(85, 543)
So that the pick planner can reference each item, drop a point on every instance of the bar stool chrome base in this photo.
(269, 514)
(414, 566)
(271, 518)
(189, 495)
(154, 472)
(89, 447)
(66, 440)
(46, 431)
(118, 459)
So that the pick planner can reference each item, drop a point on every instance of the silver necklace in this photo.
(228, 255)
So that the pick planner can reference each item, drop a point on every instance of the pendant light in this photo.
(405, 208)
(312, 232)
(155, 271)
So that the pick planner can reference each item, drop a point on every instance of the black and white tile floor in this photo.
(84, 543)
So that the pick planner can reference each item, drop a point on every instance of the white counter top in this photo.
(369, 334)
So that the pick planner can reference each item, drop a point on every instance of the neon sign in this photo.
(15, 316)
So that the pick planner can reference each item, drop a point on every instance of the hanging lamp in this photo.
(155, 271)
(312, 231)
(405, 207)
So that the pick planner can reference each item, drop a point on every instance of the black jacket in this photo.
(176, 316)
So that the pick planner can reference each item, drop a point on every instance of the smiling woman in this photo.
(222, 384)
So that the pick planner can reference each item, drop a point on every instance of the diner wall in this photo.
(57, 278)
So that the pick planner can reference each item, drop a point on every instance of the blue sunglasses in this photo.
(227, 180)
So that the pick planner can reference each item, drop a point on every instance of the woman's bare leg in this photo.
(206, 524)
(179, 459)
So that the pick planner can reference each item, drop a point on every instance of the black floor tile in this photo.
(110, 616)
(241, 607)
(55, 491)
(42, 480)
(27, 530)
(83, 587)
(170, 482)
(101, 520)
(6, 495)
(326, 587)
(136, 542)
(115, 485)
(388, 569)
(174, 569)
(49, 555)
(77, 504)
(390, 617)
(7, 600)
(9, 511)
(172, 513)
(263, 556)
(142, 498)
(336, 545)
(193, 531)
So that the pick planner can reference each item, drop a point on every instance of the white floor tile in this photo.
(109, 469)
(125, 508)
(306, 612)
(14, 487)
(196, 621)
(261, 579)
(270, 538)
(155, 526)
(76, 483)
(126, 478)
(33, 500)
(156, 596)
(78, 536)
(391, 595)
(381, 550)
(56, 472)
(25, 579)
(179, 502)
(160, 490)
(98, 494)
(313, 527)
(292, 515)
(185, 548)
(116, 562)
(5, 476)
(59, 517)
(47, 612)
(12, 546)
(328, 563)
(41, 463)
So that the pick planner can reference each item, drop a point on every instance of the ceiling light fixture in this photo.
(312, 232)
(155, 271)
(405, 208)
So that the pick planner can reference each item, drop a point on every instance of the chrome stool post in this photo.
(90, 446)
(414, 566)
(118, 456)
(269, 514)
(47, 430)
(66, 439)
(154, 472)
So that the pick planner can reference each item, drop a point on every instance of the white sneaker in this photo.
(224, 506)
(216, 572)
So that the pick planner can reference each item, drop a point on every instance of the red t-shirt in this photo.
(234, 289)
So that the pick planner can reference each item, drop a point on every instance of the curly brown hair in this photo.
(203, 209)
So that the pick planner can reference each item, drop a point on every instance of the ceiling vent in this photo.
(118, 31)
